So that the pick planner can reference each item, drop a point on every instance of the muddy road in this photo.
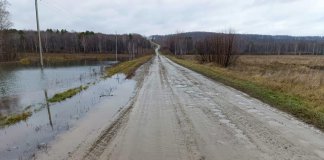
(179, 114)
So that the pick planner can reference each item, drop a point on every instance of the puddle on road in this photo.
(23, 139)
(181, 86)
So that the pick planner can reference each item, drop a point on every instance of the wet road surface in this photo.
(178, 114)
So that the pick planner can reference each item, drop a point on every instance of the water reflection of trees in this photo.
(11, 79)
(8, 105)
(48, 109)
(7, 77)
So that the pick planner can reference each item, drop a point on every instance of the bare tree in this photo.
(218, 48)
(19, 42)
(5, 22)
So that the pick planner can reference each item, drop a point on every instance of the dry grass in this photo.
(291, 83)
(302, 76)
(128, 67)
(67, 94)
(284, 59)
(27, 59)
(15, 118)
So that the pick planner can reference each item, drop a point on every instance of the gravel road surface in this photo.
(178, 114)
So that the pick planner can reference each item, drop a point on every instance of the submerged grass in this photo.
(15, 118)
(128, 67)
(67, 94)
(6, 120)
(299, 106)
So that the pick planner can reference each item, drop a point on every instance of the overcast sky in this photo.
(147, 17)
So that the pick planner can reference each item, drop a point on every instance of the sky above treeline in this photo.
(149, 17)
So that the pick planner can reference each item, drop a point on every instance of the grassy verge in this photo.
(66, 94)
(300, 107)
(32, 58)
(128, 67)
(15, 118)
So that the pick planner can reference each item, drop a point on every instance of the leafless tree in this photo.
(5, 22)
(219, 48)
(19, 42)
(247, 43)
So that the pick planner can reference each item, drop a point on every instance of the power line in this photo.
(67, 18)
(56, 8)
(61, 9)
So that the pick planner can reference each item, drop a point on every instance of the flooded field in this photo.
(28, 89)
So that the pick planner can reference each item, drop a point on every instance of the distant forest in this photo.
(17, 42)
(186, 43)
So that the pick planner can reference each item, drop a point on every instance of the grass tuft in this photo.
(15, 118)
(67, 94)
(25, 61)
(128, 67)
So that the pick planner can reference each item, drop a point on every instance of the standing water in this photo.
(28, 88)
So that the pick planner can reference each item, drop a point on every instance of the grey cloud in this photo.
(265, 2)
(295, 17)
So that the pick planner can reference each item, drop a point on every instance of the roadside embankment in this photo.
(128, 67)
(292, 88)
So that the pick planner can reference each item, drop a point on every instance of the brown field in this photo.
(299, 75)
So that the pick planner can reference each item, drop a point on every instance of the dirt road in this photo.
(181, 115)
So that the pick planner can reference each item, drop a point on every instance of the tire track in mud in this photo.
(189, 136)
(184, 122)
(104, 140)
(162, 71)
(157, 124)
(188, 132)
(99, 146)
(179, 114)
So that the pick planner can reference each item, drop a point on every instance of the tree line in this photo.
(16, 42)
(280, 45)
(220, 47)
(246, 43)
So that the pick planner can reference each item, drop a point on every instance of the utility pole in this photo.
(39, 36)
(116, 47)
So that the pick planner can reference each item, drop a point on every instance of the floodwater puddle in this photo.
(29, 89)
(181, 85)
(22, 86)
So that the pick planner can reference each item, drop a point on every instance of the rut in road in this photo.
(179, 114)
